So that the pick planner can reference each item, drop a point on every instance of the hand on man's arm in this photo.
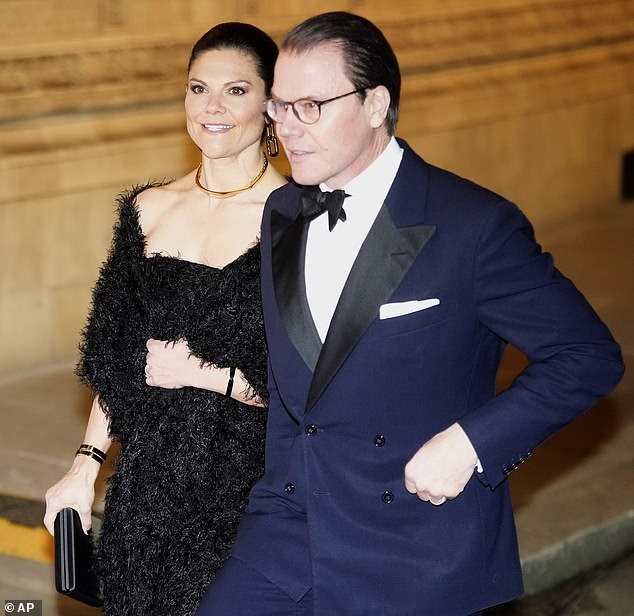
(172, 365)
(441, 468)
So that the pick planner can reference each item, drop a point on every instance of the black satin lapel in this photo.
(288, 245)
(385, 257)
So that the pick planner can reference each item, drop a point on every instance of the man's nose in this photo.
(289, 126)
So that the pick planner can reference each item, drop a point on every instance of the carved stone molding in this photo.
(53, 80)
(112, 72)
(459, 98)
(503, 34)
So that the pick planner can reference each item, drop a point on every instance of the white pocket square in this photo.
(398, 309)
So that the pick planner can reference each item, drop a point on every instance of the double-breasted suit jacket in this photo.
(459, 275)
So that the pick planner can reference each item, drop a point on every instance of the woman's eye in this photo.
(308, 105)
(237, 91)
(197, 89)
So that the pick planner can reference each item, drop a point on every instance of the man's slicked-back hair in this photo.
(368, 57)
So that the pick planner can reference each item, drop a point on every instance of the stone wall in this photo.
(533, 99)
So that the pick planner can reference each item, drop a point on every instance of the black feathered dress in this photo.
(188, 457)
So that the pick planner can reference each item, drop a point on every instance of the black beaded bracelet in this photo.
(232, 373)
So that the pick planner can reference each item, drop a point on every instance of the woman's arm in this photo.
(76, 488)
(172, 365)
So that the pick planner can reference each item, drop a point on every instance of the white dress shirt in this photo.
(331, 254)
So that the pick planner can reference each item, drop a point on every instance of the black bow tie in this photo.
(316, 202)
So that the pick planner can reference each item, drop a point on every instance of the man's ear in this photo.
(377, 103)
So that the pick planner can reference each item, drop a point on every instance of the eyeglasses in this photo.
(306, 110)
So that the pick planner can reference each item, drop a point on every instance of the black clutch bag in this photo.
(74, 560)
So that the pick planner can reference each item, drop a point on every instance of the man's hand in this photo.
(441, 468)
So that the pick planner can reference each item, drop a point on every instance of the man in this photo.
(387, 454)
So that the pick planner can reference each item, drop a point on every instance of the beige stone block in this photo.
(21, 248)
(35, 135)
(24, 329)
(70, 18)
(555, 164)
(69, 310)
(144, 15)
(622, 133)
(295, 9)
(88, 166)
(77, 236)
(160, 158)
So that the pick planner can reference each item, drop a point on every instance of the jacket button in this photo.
(387, 497)
(289, 488)
(311, 430)
(379, 440)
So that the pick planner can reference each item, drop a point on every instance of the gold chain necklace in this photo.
(230, 193)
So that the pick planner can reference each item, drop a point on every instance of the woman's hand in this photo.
(75, 489)
(171, 365)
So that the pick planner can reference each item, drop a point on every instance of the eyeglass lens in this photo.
(305, 110)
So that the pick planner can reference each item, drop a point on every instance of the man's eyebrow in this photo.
(299, 98)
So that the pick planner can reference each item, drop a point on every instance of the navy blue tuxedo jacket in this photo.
(331, 512)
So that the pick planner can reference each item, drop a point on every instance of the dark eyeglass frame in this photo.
(271, 103)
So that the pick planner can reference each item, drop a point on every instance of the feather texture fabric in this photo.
(188, 457)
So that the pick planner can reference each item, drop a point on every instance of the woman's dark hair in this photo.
(369, 58)
(241, 37)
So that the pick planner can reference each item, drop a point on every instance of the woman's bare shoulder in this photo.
(155, 199)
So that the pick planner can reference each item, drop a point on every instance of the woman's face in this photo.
(224, 104)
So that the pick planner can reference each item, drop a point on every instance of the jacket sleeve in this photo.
(573, 359)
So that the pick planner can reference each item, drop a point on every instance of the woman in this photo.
(174, 347)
